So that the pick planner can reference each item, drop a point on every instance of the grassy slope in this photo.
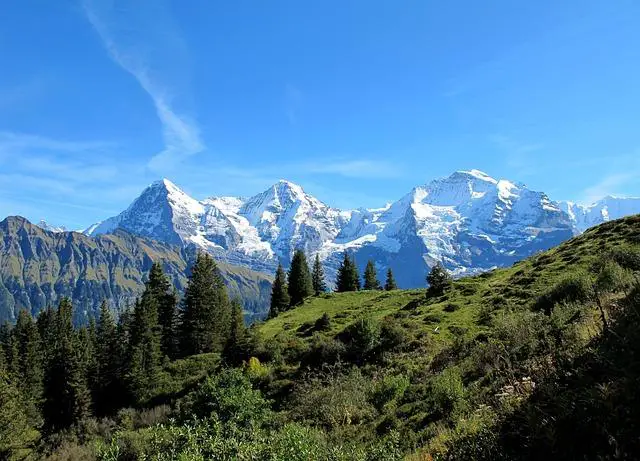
(518, 285)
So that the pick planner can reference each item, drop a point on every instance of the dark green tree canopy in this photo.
(371, 277)
(438, 279)
(300, 283)
(317, 275)
(348, 278)
(390, 282)
(279, 293)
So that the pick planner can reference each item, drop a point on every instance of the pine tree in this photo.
(317, 276)
(390, 283)
(16, 435)
(29, 369)
(348, 278)
(108, 390)
(206, 311)
(162, 290)
(279, 293)
(66, 396)
(371, 277)
(438, 279)
(145, 356)
(237, 334)
(300, 283)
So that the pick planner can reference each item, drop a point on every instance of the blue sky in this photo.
(358, 101)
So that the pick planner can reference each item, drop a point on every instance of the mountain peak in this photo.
(477, 174)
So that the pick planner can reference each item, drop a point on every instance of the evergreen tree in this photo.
(161, 289)
(279, 293)
(66, 396)
(317, 276)
(108, 390)
(348, 278)
(438, 279)
(16, 435)
(300, 283)
(29, 366)
(237, 334)
(206, 310)
(390, 283)
(145, 356)
(371, 277)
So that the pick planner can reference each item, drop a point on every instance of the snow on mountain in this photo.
(48, 227)
(601, 211)
(469, 221)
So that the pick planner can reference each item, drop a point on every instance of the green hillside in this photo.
(515, 364)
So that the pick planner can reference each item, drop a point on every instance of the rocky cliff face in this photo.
(38, 268)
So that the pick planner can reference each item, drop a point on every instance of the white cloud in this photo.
(133, 40)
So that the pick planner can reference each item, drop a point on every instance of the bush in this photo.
(323, 351)
(389, 390)
(323, 323)
(451, 307)
(392, 335)
(362, 339)
(227, 397)
(438, 279)
(573, 288)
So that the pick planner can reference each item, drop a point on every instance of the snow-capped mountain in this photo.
(42, 224)
(601, 211)
(469, 221)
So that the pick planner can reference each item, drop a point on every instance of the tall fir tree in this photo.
(66, 395)
(300, 283)
(161, 289)
(108, 387)
(371, 277)
(206, 309)
(317, 276)
(144, 355)
(237, 333)
(279, 293)
(16, 434)
(29, 369)
(348, 278)
(390, 283)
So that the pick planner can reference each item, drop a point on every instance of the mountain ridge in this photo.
(469, 221)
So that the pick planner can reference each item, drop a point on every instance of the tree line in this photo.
(52, 374)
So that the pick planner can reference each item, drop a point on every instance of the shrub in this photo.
(573, 288)
(362, 338)
(451, 307)
(323, 351)
(392, 335)
(389, 390)
(323, 323)
(438, 279)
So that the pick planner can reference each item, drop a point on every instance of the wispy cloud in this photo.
(609, 185)
(144, 41)
(355, 168)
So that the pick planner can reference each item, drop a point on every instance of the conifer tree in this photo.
(206, 311)
(15, 432)
(66, 396)
(317, 276)
(371, 277)
(300, 283)
(237, 333)
(161, 289)
(390, 283)
(29, 369)
(438, 279)
(144, 357)
(107, 388)
(348, 278)
(279, 293)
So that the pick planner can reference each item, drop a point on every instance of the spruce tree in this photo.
(29, 369)
(16, 434)
(161, 289)
(206, 309)
(438, 279)
(317, 276)
(107, 384)
(145, 356)
(371, 277)
(300, 283)
(66, 396)
(348, 278)
(390, 283)
(237, 333)
(279, 293)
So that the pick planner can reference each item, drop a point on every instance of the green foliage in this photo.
(575, 287)
(166, 299)
(317, 277)
(362, 339)
(389, 390)
(438, 279)
(371, 277)
(16, 435)
(206, 309)
(300, 282)
(348, 278)
(323, 323)
(390, 282)
(280, 300)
